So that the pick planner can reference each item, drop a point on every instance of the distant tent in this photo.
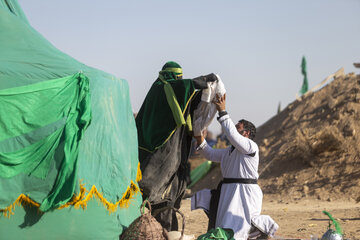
(67, 140)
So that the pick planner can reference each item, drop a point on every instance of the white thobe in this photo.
(238, 203)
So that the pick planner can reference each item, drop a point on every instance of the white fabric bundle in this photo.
(201, 200)
(206, 110)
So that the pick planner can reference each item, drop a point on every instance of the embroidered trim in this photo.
(82, 198)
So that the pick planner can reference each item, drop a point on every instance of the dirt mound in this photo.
(311, 148)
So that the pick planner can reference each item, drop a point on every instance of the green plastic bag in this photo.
(218, 233)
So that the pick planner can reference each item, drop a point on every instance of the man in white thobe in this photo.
(241, 197)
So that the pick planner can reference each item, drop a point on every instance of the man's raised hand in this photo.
(220, 102)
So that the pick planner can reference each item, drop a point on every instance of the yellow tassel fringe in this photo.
(81, 200)
(138, 174)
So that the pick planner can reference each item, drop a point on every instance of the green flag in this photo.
(334, 222)
(305, 86)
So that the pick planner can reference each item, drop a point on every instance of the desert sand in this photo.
(297, 220)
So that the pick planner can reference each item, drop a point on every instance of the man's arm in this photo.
(240, 142)
(214, 155)
(199, 139)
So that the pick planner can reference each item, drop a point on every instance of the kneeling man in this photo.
(240, 197)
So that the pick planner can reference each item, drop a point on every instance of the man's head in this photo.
(174, 68)
(246, 128)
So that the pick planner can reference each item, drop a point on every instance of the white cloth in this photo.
(214, 88)
(238, 203)
(201, 200)
(265, 224)
(206, 110)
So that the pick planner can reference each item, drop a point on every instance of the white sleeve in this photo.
(241, 143)
(214, 155)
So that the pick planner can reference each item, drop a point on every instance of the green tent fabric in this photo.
(154, 113)
(82, 148)
(27, 108)
(14, 8)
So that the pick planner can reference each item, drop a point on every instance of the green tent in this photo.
(68, 142)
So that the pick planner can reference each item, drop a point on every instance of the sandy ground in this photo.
(297, 220)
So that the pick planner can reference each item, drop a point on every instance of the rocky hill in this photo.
(312, 147)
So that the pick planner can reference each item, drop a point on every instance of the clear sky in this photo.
(255, 46)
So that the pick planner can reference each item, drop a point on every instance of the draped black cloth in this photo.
(166, 170)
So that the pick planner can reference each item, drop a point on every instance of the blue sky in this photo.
(255, 46)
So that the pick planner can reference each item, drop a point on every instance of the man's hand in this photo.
(199, 139)
(220, 102)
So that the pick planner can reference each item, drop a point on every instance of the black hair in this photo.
(249, 126)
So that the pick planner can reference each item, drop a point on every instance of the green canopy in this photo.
(67, 140)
